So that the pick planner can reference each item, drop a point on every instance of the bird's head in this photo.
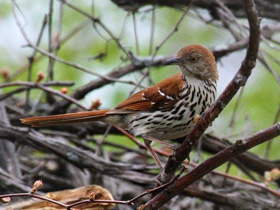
(197, 61)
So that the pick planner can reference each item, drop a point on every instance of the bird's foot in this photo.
(163, 179)
(153, 153)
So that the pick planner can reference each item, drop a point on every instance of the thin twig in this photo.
(269, 144)
(175, 29)
(135, 34)
(66, 206)
(50, 41)
(64, 39)
(233, 116)
(34, 84)
(152, 30)
(98, 21)
(77, 66)
(32, 57)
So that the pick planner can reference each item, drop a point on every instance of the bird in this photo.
(165, 111)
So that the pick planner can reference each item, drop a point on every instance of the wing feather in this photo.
(162, 96)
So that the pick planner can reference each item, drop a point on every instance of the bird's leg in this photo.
(159, 141)
(172, 146)
(156, 158)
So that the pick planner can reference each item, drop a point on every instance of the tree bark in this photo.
(267, 9)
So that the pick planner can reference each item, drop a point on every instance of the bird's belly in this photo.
(165, 125)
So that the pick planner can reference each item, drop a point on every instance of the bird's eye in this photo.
(194, 59)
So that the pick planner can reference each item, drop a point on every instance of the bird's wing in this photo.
(162, 96)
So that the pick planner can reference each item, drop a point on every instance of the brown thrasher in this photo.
(164, 111)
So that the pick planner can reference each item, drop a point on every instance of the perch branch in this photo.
(215, 161)
(238, 81)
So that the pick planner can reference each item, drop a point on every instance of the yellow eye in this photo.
(194, 59)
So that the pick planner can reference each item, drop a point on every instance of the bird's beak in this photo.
(171, 61)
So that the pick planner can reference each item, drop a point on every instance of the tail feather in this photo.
(62, 119)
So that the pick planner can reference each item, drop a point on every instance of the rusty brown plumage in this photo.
(161, 96)
(64, 118)
(164, 111)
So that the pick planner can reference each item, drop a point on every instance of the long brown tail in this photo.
(62, 119)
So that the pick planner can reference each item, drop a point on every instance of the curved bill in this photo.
(170, 61)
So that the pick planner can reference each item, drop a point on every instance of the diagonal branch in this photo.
(239, 80)
(210, 164)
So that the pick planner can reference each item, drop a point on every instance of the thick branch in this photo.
(77, 156)
(239, 80)
(253, 162)
(269, 8)
(212, 163)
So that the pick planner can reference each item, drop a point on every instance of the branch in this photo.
(35, 85)
(58, 59)
(12, 183)
(231, 200)
(138, 64)
(63, 40)
(253, 162)
(80, 93)
(268, 8)
(79, 157)
(210, 164)
(88, 197)
(239, 80)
